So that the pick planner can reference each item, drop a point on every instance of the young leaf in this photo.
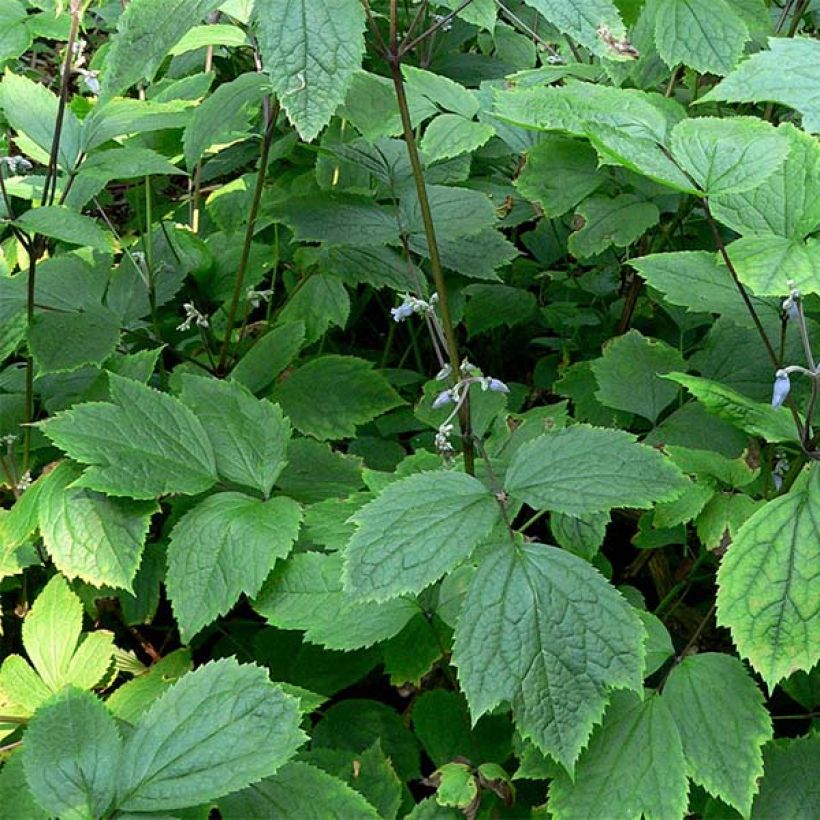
(544, 631)
(71, 755)
(765, 584)
(59, 222)
(142, 444)
(90, 535)
(311, 398)
(146, 32)
(582, 470)
(632, 730)
(787, 73)
(726, 156)
(225, 546)
(306, 593)
(415, 531)
(628, 375)
(311, 50)
(249, 435)
(217, 730)
(706, 35)
(722, 746)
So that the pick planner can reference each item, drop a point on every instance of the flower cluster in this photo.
(257, 297)
(192, 316)
(411, 305)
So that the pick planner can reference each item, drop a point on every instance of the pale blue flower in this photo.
(781, 388)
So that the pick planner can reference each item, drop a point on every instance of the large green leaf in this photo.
(249, 435)
(583, 20)
(306, 593)
(787, 73)
(632, 731)
(607, 221)
(706, 35)
(722, 723)
(59, 222)
(767, 592)
(142, 444)
(146, 32)
(790, 787)
(225, 546)
(627, 375)
(582, 470)
(414, 531)
(71, 755)
(311, 397)
(766, 263)
(90, 535)
(217, 730)
(543, 630)
(450, 135)
(311, 50)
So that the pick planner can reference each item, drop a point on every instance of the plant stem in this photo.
(270, 124)
(442, 21)
(797, 17)
(435, 261)
(32, 271)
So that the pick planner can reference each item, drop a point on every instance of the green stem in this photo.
(239, 284)
(435, 260)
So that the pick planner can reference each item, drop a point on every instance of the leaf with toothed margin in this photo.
(543, 630)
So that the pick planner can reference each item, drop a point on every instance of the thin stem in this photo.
(374, 27)
(519, 23)
(435, 261)
(442, 21)
(810, 412)
(804, 335)
(497, 488)
(20, 721)
(797, 17)
(270, 125)
(417, 18)
(209, 59)
(29, 400)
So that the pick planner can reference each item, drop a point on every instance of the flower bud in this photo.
(781, 388)
(443, 398)
(497, 386)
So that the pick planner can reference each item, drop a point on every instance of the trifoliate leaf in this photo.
(71, 755)
(787, 73)
(306, 593)
(543, 630)
(415, 531)
(706, 35)
(90, 535)
(722, 747)
(311, 49)
(582, 470)
(632, 730)
(628, 375)
(249, 435)
(766, 594)
(789, 787)
(311, 397)
(142, 444)
(225, 546)
(607, 221)
(726, 156)
(215, 731)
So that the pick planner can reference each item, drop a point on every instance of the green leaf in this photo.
(71, 755)
(582, 470)
(441, 91)
(697, 281)
(31, 109)
(315, 472)
(414, 532)
(215, 731)
(606, 221)
(377, 266)
(62, 342)
(212, 34)
(726, 156)
(706, 35)
(223, 115)
(297, 791)
(16, 799)
(492, 306)
(306, 593)
(450, 135)
(582, 536)
(632, 730)
(628, 375)
(271, 354)
(456, 212)
(225, 546)
(753, 417)
(128, 116)
(723, 724)
(542, 630)
(583, 21)
(659, 646)
(766, 593)
(146, 32)
(311, 398)
(766, 263)
(456, 785)
(320, 302)
(143, 443)
(789, 787)
(559, 173)
(787, 203)
(90, 535)
(787, 73)
(59, 222)
(722, 518)
(249, 435)
(311, 50)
